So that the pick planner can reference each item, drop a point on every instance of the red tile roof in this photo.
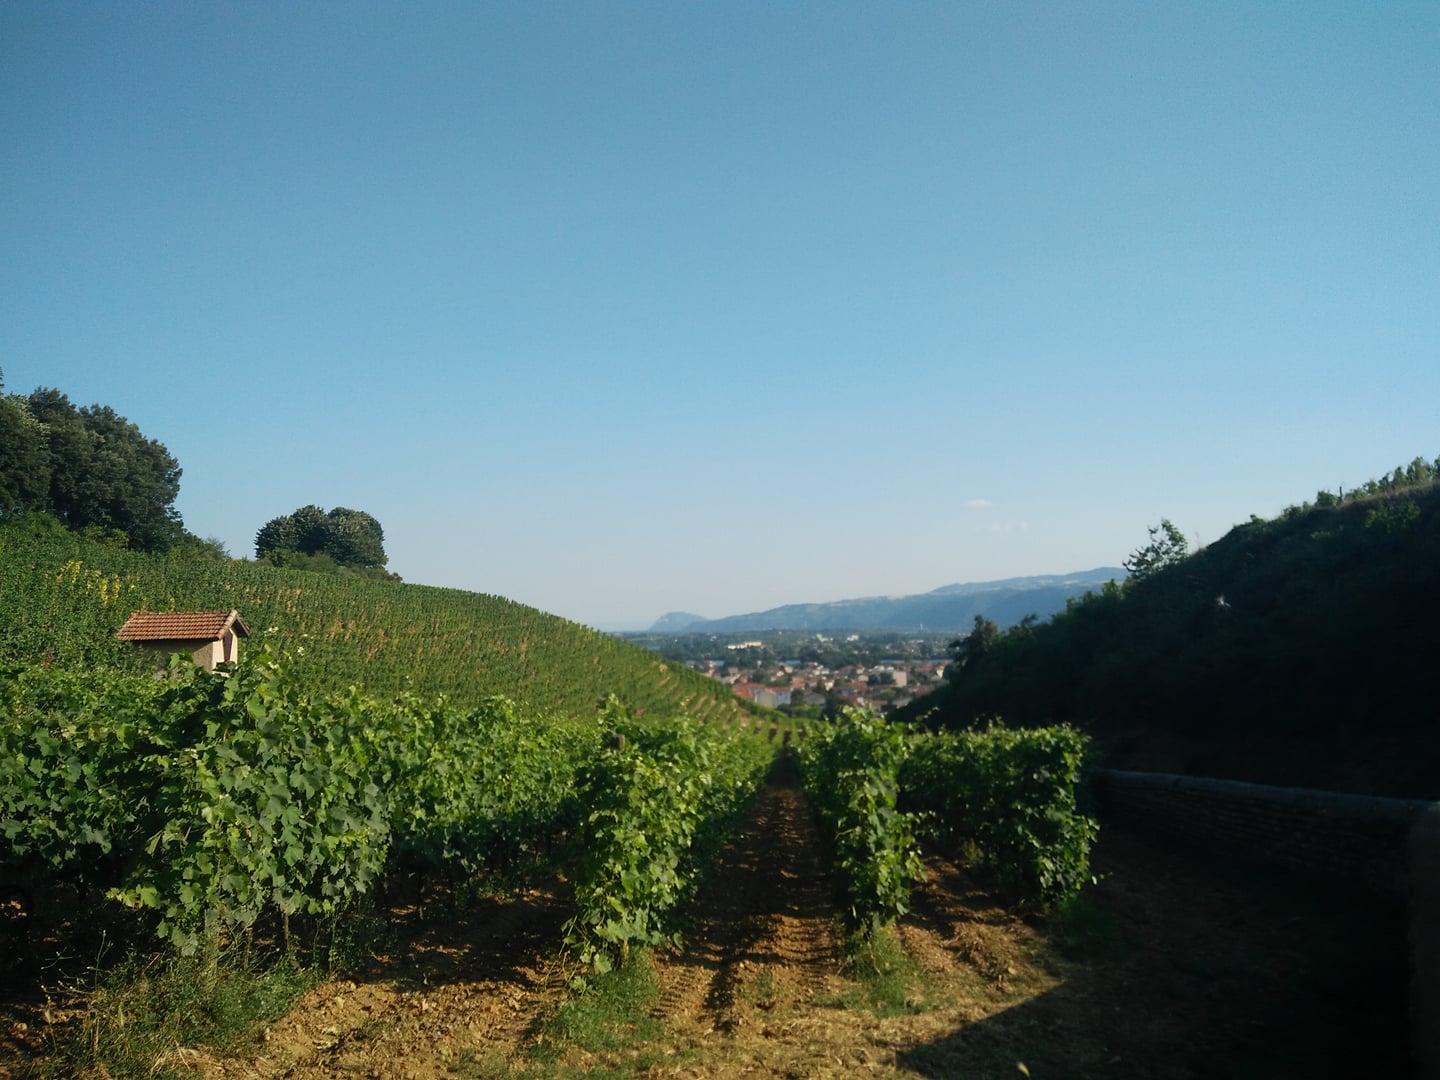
(181, 626)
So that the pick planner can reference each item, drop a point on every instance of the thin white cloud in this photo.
(978, 504)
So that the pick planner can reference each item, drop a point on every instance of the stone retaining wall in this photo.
(1389, 848)
(1358, 840)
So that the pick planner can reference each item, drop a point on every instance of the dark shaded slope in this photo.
(1301, 650)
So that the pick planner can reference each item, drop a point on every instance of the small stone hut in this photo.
(210, 637)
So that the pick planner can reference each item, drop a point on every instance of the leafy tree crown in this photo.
(351, 538)
(1167, 547)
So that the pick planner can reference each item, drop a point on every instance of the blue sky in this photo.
(617, 309)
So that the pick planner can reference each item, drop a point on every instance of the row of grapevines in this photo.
(478, 787)
(850, 771)
(73, 750)
(207, 799)
(660, 798)
(200, 799)
(1013, 794)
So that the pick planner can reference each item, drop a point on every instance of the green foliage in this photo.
(850, 771)
(24, 459)
(63, 598)
(1416, 476)
(1011, 793)
(1293, 651)
(264, 797)
(147, 1006)
(472, 788)
(659, 800)
(610, 1011)
(351, 538)
(967, 652)
(1392, 517)
(90, 467)
(206, 799)
(74, 753)
(888, 977)
(1167, 547)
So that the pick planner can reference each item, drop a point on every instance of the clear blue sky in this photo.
(616, 309)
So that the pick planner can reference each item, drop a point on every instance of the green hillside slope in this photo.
(1302, 650)
(62, 598)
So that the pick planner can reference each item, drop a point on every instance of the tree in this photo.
(351, 538)
(354, 538)
(91, 468)
(1167, 547)
(132, 484)
(309, 523)
(202, 547)
(24, 458)
(972, 648)
(277, 534)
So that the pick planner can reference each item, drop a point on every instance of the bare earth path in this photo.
(761, 989)
(762, 949)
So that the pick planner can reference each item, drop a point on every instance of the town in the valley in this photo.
(817, 673)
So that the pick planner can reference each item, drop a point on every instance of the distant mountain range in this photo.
(950, 607)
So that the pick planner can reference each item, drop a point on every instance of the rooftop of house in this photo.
(181, 626)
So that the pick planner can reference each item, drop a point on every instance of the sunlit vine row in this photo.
(850, 771)
(659, 799)
(204, 801)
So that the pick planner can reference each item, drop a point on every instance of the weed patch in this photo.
(606, 1012)
(889, 981)
(140, 1014)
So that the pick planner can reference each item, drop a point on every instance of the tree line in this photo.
(89, 468)
(93, 471)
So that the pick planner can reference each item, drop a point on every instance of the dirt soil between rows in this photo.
(1172, 966)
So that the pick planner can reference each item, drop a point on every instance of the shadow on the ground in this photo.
(1191, 968)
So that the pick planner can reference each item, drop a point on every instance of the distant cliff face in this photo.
(950, 607)
(675, 622)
